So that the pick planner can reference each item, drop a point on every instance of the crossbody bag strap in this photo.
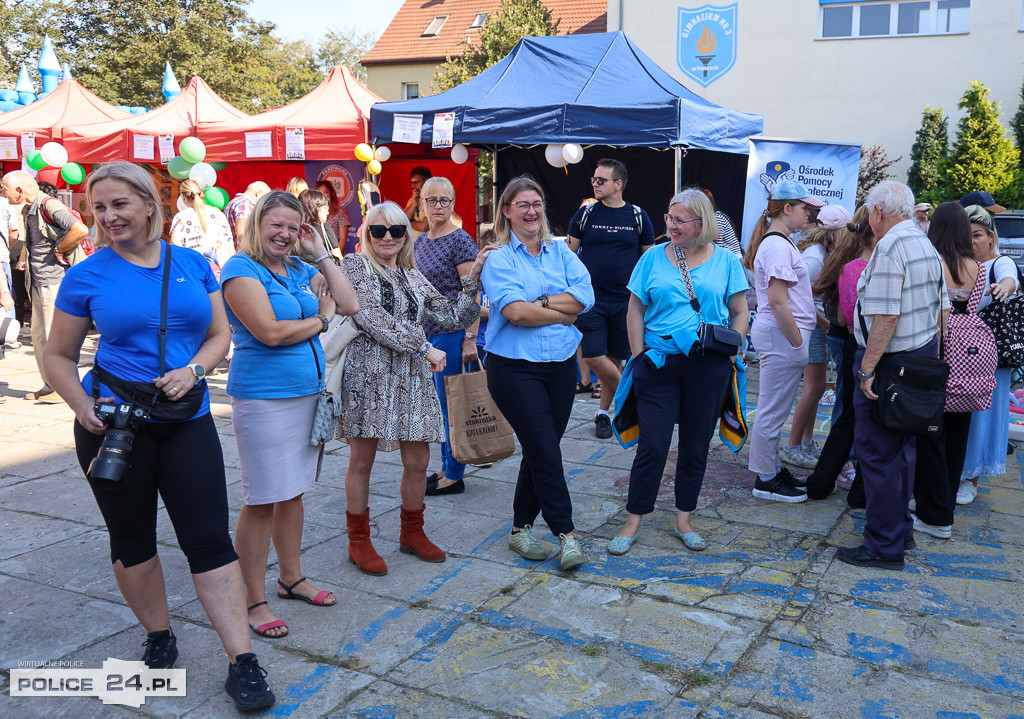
(316, 361)
(687, 281)
(979, 287)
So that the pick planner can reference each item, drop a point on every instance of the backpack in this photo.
(49, 229)
(1007, 322)
(969, 348)
(638, 217)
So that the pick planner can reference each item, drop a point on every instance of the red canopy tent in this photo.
(47, 118)
(108, 141)
(334, 118)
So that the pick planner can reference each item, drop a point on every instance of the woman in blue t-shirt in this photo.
(177, 453)
(277, 306)
(672, 377)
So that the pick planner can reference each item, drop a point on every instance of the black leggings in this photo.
(183, 462)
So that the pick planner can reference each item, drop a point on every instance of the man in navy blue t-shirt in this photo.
(610, 235)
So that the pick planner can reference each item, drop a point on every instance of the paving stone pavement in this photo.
(763, 624)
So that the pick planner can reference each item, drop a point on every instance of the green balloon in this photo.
(35, 160)
(73, 173)
(217, 197)
(192, 149)
(179, 167)
(218, 166)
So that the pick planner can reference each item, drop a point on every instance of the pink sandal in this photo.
(262, 629)
(320, 600)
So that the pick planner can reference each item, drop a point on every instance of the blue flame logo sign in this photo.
(706, 46)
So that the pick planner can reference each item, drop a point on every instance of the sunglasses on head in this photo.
(378, 231)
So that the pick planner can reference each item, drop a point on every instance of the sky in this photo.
(308, 19)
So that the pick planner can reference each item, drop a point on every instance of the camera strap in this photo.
(687, 282)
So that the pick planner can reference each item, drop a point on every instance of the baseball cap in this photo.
(794, 190)
(923, 207)
(981, 198)
(833, 217)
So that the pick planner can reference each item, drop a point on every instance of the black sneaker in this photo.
(791, 481)
(247, 684)
(909, 543)
(863, 557)
(603, 426)
(778, 490)
(161, 650)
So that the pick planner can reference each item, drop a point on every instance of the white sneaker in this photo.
(796, 457)
(811, 449)
(966, 493)
(912, 506)
(939, 532)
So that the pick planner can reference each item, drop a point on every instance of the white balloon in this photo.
(181, 204)
(572, 153)
(203, 174)
(54, 154)
(383, 153)
(459, 153)
(553, 154)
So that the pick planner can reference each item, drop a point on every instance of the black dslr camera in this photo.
(115, 456)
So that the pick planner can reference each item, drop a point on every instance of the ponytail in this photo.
(773, 210)
(191, 189)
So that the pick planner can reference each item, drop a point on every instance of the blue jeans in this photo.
(451, 345)
(10, 287)
(835, 349)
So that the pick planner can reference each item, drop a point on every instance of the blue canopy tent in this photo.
(594, 89)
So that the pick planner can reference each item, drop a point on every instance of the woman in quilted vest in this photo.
(940, 460)
(987, 440)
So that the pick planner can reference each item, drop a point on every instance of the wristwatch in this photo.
(198, 370)
(543, 301)
(470, 335)
(865, 377)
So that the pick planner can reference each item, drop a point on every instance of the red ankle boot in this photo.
(413, 541)
(360, 549)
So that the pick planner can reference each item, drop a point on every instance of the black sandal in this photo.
(584, 388)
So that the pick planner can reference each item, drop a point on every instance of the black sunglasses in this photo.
(378, 231)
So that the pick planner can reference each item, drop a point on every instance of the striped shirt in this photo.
(904, 278)
(727, 239)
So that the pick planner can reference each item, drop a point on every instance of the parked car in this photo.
(1010, 226)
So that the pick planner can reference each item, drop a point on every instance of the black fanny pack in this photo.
(147, 394)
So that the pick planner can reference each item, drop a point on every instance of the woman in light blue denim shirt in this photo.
(536, 288)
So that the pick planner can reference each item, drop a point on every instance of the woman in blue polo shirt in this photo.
(277, 306)
(671, 376)
(537, 288)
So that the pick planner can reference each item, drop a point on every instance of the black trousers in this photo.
(536, 399)
(692, 389)
(183, 463)
(836, 451)
(940, 462)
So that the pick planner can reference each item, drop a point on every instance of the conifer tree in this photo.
(983, 157)
(930, 149)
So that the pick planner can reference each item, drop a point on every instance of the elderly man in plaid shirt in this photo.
(902, 296)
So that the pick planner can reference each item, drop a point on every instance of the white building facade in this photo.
(836, 71)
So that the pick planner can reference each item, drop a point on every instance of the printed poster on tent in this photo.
(343, 177)
(828, 170)
(444, 130)
(294, 143)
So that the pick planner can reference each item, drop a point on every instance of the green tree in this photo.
(515, 20)
(928, 153)
(1017, 126)
(983, 157)
(344, 47)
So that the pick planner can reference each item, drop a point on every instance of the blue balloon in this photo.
(8, 105)
(8, 95)
(26, 98)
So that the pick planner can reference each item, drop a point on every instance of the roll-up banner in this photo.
(828, 171)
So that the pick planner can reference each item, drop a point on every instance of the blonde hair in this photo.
(502, 225)
(141, 184)
(435, 184)
(193, 194)
(700, 208)
(387, 213)
(978, 215)
(295, 186)
(251, 242)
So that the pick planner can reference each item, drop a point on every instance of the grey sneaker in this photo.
(935, 530)
(525, 545)
(812, 449)
(797, 457)
(572, 552)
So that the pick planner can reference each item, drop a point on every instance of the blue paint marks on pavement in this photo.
(969, 675)
(879, 651)
(385, 711)
(622, 711)
(793, 680)
(298, 693)
(879, 709)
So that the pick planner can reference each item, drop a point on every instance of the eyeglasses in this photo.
(598, 181)
(438, 201)
(526, 206)
(670, 220)
(378, 231)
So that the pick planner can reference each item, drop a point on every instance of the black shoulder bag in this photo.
(160, 407)
(1007, 322)
(911, 388)
(713, 339)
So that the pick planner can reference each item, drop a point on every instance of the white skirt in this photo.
(278, 462)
